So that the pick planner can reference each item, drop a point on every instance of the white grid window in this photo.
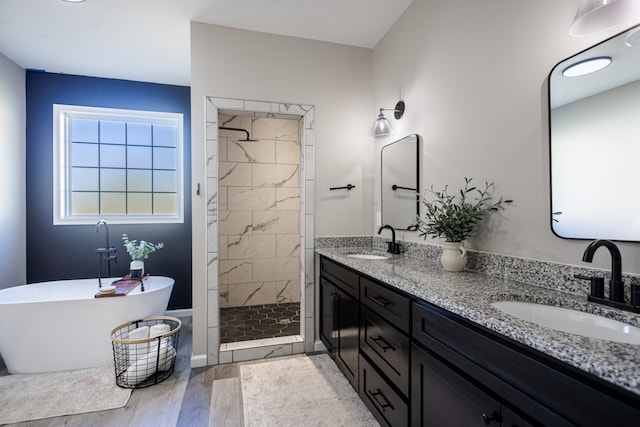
(123, 166)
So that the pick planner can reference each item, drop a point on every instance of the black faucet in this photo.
(392, 246)
(106, 253)
(616, 286)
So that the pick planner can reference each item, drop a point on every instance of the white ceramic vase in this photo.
(454, 256)
(136, 269)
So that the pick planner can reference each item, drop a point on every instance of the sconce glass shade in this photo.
(597, 15)
(381, 128)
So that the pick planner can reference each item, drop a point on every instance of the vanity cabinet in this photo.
(417, 364)
(365, 326)
(339, 319)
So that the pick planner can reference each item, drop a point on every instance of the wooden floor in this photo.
(208, 396)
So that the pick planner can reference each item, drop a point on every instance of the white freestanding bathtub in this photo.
(60, 325)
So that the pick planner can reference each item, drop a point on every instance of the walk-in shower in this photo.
(259, 226)
(258, 210)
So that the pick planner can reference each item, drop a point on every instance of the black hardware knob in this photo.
(486, 419)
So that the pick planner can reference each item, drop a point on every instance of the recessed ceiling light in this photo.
(587, 66)
(74, 1)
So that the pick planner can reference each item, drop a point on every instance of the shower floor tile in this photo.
(259, 321)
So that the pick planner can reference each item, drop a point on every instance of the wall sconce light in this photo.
(597, 15)
(382, 128)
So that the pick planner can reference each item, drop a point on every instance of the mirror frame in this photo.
(411, 226)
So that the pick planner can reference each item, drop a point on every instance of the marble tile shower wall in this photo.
(259, 211)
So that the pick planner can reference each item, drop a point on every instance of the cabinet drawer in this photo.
(385, 404)
(387, 348)
(386, 303)
(346, 279)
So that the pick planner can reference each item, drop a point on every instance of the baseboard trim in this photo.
(198, 360)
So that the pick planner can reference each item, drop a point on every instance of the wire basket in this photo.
(145, 351)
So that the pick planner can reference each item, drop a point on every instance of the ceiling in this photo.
(148, 40)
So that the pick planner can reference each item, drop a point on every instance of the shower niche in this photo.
(259, 229)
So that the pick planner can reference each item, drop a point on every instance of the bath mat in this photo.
(301, 391)
(25, 397)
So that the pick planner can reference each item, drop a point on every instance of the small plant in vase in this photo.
(455, 217)
(138, 253)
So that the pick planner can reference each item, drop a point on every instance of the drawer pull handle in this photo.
(384, 346)
(381, 301)
(380, 405)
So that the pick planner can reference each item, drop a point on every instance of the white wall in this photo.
(13, 264)
(473, 75)
(336, 79)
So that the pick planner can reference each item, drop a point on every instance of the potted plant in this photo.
(138, 253)
(455, 217)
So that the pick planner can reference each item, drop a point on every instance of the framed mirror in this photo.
(400, 178)
(594, 131)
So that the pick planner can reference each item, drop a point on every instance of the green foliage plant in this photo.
(140, 251)
(456, 217)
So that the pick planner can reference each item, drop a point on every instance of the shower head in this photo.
(248, 138)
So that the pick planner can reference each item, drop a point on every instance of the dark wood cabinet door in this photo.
(340, 328)
(441, 397)
(348, 336)
(329, 301)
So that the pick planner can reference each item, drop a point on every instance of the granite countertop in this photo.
(469, 294)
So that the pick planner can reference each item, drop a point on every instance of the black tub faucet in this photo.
(392, 246)
(106, 253)
(616, 286)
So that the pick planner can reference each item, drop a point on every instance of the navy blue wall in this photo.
(67, 251)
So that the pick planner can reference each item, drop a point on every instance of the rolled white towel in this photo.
(152, 361)
(140, 333)
(167, 358)
(138, 351)
(158, 330)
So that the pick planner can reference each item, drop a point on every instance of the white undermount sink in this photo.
(572, 321)
(368, 256)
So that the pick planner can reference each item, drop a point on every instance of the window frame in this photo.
(62, 167)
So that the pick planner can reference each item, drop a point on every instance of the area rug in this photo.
(25, 397)
(302, 391)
